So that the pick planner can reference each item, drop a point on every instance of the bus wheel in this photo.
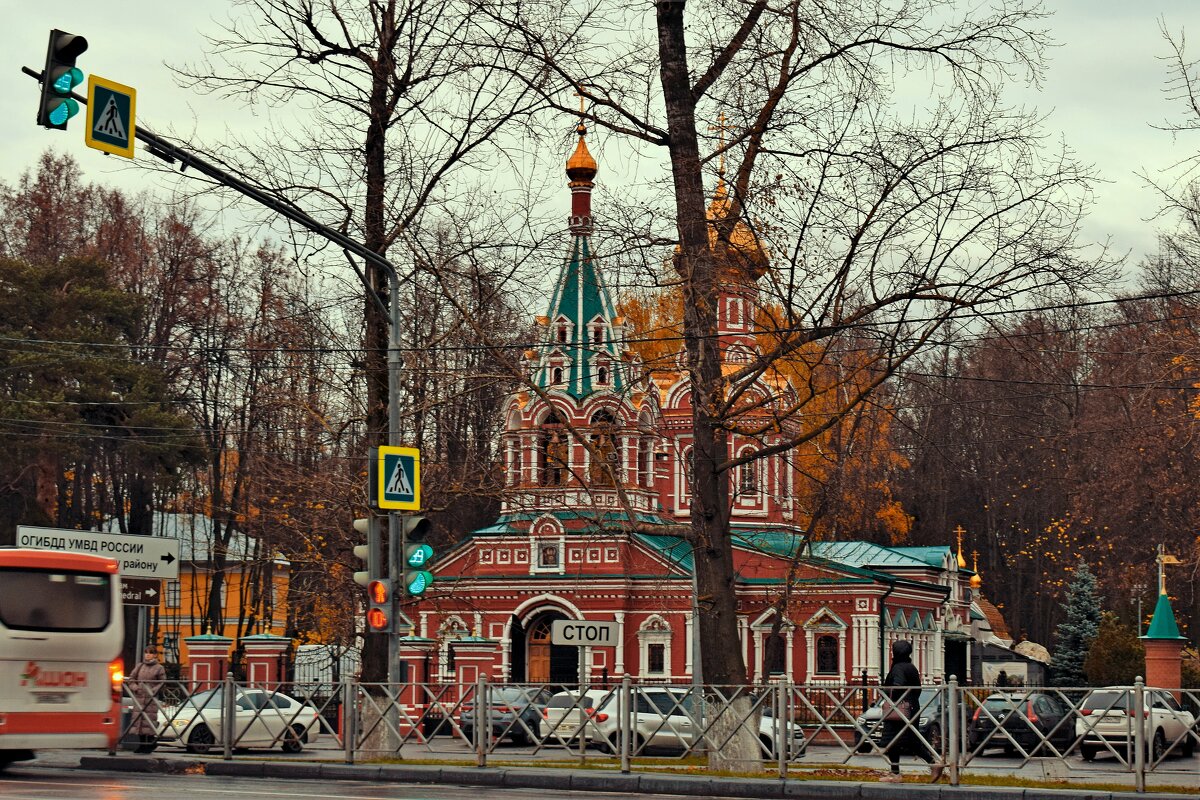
(201, 740)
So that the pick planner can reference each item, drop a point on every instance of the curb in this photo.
(599, 781)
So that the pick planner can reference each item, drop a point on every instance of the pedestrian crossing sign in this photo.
(398, 478)
(111, 109)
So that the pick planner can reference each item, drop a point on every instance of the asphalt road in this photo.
(36, 783)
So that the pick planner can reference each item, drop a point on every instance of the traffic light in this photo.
(379, 606)
(417, 555)
(369, 552)
(59, 77)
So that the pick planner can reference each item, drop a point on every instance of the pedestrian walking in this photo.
(145, 681)
(901, 714)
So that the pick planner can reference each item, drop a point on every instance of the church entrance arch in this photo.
(546, 662)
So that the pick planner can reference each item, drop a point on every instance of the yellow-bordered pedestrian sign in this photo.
(111, 111)
(397, 478)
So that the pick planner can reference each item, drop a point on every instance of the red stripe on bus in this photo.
(57, 559)
(18, 722)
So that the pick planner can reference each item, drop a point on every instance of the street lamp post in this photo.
(1138, 590)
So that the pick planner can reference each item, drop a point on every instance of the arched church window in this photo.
(605, 466)
(598, 334)
(514, 466)
(827, 655)
(689, 469)
(643, 461)
(748, 478)
(602, 375)
(735, 308)
(561, 333)
(553, 452)
(556, 376)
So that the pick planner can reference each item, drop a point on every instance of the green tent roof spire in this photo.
(1162, 624)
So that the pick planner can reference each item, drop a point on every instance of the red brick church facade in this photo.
(587, 532)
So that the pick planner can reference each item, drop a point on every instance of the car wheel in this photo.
(768, 747)
(1189, 746)
(201, 740)
(293, 740)
(1087, 753)
(1158, 746)
(637, 745)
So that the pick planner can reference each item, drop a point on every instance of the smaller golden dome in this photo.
(976, 581)
(581, 166)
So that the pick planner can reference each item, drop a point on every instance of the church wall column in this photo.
(810, 660)
(689, 654)
(790, 651)
(619, 655)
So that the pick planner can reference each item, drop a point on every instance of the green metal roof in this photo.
(1162, 625)
(581, 299)
(869, 554)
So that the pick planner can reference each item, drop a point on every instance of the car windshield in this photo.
(1098, 701)
(928, 696)
(1003, 702)
(511, 695)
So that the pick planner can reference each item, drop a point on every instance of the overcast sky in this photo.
(1104, 90)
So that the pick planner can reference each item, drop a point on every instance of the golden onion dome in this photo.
(976, 581)
(740, 253)
(581, 166)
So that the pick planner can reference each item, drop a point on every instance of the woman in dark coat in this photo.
(145, 681)
(904, 697)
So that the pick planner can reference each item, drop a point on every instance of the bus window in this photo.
(48, 600)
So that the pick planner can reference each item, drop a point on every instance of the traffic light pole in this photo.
(170, 153)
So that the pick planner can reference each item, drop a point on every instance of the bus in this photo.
(61, 630)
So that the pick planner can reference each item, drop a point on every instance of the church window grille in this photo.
(553, 451)
(514, 468)
(656, 659)
(748, 479)
(172, 594)
(606, 459)
(827, 655)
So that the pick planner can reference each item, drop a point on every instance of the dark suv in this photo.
(1029, 719)
(930, 721)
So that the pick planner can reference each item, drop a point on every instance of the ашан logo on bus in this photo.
(36, 676)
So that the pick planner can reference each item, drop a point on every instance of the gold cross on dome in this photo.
(581, 97)
(721, 127)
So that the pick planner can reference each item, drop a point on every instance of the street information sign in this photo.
(583, 633)
(398, 477)
(111, 110)
(139, 556)
(141, 591)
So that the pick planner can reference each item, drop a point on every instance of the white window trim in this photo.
(648, 636)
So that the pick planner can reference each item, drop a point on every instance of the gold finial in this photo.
(960, 532)
(581, 167)
(976, 580)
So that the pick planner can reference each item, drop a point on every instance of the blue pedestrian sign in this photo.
(111, 112)
(398, 478)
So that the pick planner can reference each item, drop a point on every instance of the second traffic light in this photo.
(60, 76)
(380, 613)
(417, 555)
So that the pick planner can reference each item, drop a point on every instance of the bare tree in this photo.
(870, 156)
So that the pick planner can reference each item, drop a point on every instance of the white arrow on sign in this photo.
(138, 556)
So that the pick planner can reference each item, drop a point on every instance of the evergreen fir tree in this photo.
(1074, 636)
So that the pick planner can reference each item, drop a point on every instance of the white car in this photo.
(1106, 721)
(566, 712)
(664, 718)
(261, 719)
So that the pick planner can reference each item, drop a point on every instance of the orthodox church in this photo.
(597, 455)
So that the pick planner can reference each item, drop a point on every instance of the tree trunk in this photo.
(712, 548)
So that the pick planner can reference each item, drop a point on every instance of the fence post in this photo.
(483, 720)
(623, 718)
(229, 708)
(1139, 734)
(349, 720)
(862, 693)
(953, 716)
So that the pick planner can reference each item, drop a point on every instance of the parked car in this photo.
(566, 712)
(261, 719)
(1028, 719)
(665, 718)
(515, 713)
(930, 721)
(1106, 721)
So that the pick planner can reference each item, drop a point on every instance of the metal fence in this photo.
(1134, 727)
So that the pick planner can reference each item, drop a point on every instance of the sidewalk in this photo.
(568, 779)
